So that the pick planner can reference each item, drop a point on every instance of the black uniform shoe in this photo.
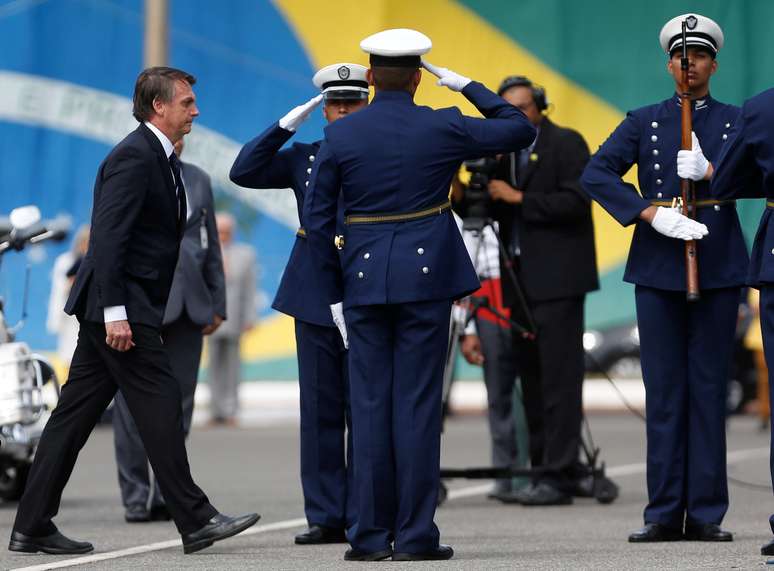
(440, 553)
(768, 549)
(317, 534)
(707, 532)
(219, 527)
(55, 544)
(542, 494)
(654, 532)
(137, 513)
(160, 513)
(353, 554)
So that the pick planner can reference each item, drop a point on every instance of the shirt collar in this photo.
(400, 95)
(698, 104)
(169, 148)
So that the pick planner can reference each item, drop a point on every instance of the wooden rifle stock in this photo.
(688, 193)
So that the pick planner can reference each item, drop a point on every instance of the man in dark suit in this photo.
(196, 307)
(402, 263)
(119, 297)
(546, 227)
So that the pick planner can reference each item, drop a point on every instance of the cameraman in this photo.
(545, 225)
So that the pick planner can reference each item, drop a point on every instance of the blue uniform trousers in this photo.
(397, 354)
(686, 357)
(767, 328)
(326, 462)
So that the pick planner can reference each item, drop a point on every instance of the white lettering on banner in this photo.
(105, 117)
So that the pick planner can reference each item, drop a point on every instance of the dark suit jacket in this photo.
(558, 258)
(199, 286)
(135, 235)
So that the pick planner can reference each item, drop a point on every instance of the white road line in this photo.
(624, 470)
(153, 547)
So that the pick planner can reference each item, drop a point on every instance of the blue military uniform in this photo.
(746, 169)
(326, 466)
(686, 347)
(402, 264)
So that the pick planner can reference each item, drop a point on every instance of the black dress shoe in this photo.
(707, 532)
(542, 494)
(655, 532)
(219, 527)
(318, 534)
(137, 513)
(160, 513)
(55, 544)
(768, 549)
(440, 553)
(509, 497)
(353, 554)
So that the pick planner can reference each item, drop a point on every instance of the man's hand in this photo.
(501, 190)
(447, 77)
(212, 327)
(671, 223)
(337, 311)
(693, 165)
(119, 335)
(471, 350)
(299, 114)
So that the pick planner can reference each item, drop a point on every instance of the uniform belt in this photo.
(699, 203)
(301, 233)
(402, 217)
(770, 204)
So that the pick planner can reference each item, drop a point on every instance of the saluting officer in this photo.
(402, 263)
(326, 467)
(686, 346)
(746, 169)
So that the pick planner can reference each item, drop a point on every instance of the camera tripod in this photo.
(591, 470)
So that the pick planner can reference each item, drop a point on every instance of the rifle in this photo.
(688, 192)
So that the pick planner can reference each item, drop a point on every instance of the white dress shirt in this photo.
(118, 312)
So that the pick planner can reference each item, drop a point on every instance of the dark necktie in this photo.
(182, 207)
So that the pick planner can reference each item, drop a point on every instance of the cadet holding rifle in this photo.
(686, 345)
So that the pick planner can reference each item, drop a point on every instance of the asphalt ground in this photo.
(256, 469)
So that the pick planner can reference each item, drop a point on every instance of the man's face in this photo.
(334, 109)
(521, 97)
(225, 232)
(176, 116)
(701, 66)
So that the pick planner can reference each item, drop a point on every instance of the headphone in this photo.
(538, 92)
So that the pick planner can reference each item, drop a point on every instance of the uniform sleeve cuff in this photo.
(115, 313)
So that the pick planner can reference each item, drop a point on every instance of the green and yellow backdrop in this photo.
(67, 68)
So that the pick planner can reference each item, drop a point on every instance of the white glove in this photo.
(447, 77)
(337, 311)
(299, 114)
(692, 164)
(669, 222)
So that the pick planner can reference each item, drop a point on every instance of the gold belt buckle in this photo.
(338, 241)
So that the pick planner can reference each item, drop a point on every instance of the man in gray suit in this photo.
(196, 307)
(225, 367)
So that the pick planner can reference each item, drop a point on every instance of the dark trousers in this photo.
(504, 406)
(767, 329)
(686, 351)
(552, 369)
(326, 427)
(396, 362)
(183, 342)
(145, 378)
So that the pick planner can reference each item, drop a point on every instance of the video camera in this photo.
(477, 199)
